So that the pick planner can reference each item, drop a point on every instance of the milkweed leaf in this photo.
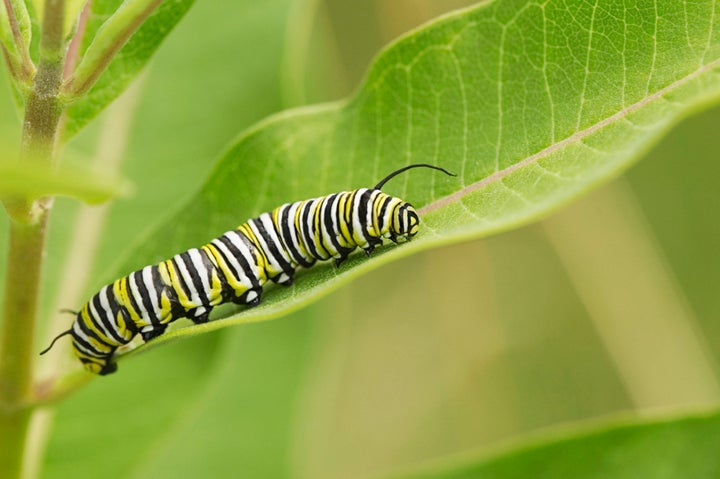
(531, 105)
(677, 448)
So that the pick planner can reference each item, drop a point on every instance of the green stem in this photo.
(28, 227)
(17, 333)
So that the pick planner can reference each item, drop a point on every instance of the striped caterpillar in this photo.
(235, 266)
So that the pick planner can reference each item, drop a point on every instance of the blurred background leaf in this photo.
(458, 348)
(30, 181)
(668, 449)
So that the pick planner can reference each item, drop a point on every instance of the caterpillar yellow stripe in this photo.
(235, 266)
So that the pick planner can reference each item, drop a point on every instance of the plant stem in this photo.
(28, 227)
(17, 333)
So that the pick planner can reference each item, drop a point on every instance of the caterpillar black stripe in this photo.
(234, 267)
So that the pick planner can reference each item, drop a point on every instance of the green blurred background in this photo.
(608, 307)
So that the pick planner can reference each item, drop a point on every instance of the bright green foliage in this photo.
(678, 448)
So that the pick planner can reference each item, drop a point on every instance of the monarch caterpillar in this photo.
(235, 266)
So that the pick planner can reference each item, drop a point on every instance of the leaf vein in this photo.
(575, 137)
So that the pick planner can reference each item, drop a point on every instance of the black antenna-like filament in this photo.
(405, 168)
(65, 310)
(53, 341)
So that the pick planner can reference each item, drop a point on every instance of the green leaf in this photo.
(103, 29)
(680, 448)
(530, 105)
(183, 429)
(33, 181)
(138, 420)
(261, 431)
(15, 36)
(21, 21)
(73, 10)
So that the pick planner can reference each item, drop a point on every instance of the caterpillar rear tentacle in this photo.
(235, 266)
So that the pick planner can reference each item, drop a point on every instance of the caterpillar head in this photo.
(405, 222)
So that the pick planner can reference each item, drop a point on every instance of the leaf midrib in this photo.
(575, 137)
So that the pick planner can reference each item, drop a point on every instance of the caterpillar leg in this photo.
(343, 254)
(284, 279)
(153, 332)
(250, 298)
(372, 243)
(108, 368)
(101, 366)
(201, 317)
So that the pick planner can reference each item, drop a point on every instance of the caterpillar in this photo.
(235, 266)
